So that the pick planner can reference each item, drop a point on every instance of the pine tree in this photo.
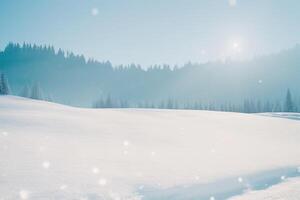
(4, 88)
(1, 86)
(25, 92)
(124, 104)
(289, 105)
(99, 103)
(170, 104)
(108, 102)
(36, 92)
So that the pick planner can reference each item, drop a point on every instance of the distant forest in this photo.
(257, 85)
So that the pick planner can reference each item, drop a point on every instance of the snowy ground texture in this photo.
(50, 151)
(288, 190)
(295, 116)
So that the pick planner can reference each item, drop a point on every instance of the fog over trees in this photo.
(257, 85)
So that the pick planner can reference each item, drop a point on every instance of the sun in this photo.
(235, 48)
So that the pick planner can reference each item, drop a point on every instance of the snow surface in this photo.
(51, 151)
(288, 190)
(295, 116)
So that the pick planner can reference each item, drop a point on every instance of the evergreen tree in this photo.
(108, 102)
(267, 107)
(258, 107)
(124, 104)
(36, 92)
(25, 92)
(161, 105)
(288, 105)
(99, 103)
(246, 106)
(277, 107)
(4, 88)
(170, 104)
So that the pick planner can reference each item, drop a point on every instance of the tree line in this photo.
(75, 80)
(4, 87)
(247, 106)
(33, 92)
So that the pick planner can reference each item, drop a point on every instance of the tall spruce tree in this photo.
(288, 105)
(25, 92)
(4, 87)
(36, 92)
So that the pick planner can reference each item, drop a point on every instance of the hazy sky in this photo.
(154, 31)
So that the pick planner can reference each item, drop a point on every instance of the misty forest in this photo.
(264, 84)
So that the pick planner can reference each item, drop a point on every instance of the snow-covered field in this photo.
(288, 190)
(295, 116)
(51, 151)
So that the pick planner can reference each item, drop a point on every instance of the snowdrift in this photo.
(51, 151)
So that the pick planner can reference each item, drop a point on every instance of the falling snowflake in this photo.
(212, 198)
(95, 170)
(46, 164)
(197, 178)
(63, 187)
(260, 81)
(4, 133)
(282, 177)
(240, 180)
(126, 143)
(24, 194)
(102, 181)
(95, 11)
(153, 153)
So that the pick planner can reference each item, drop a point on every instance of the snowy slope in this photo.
(288, 190)
(295, 116)
(50, 151)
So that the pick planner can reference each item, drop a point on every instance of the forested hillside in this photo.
(75, 80)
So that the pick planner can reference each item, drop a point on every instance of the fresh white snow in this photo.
(288, 190)
(295, 116)
(51, 151)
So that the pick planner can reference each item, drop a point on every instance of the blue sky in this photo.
(154, 31)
